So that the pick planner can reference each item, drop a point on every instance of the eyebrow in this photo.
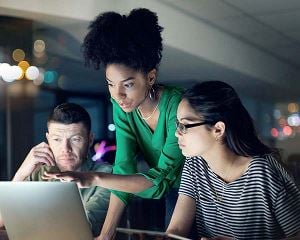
(125, 80)
(57, 135)
(189, 119)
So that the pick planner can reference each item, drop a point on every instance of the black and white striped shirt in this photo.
(264, 203)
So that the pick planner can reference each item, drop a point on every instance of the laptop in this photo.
(43, 210)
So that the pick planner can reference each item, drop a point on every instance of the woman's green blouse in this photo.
(159, 148)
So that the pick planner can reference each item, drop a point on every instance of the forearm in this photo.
(125, 183)
(113, 216)
(183, 216)
(20, 176)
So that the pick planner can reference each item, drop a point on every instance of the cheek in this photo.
(196, 145)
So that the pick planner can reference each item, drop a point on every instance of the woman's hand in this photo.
(83, 179)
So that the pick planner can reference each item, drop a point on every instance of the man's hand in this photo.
(83, 179)
(39, 155)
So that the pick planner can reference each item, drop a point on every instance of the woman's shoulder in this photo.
(170, 90)
(270, 166)
(171, 96)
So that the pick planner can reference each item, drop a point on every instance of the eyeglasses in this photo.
(182, 128)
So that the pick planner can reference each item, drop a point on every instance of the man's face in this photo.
(69, 144)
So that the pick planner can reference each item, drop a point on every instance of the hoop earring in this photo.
(152, 94)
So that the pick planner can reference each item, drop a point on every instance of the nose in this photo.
(178, 134)
(66, 146)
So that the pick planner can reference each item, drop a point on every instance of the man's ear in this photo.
(152, 76)
(219, 130)
(91, 139)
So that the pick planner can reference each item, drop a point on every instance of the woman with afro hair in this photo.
(130, 50)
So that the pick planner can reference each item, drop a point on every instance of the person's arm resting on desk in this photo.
(183, 216)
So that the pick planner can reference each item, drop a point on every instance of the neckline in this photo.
(221, 181)
(150, 116)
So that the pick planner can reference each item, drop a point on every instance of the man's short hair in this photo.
(68, 113)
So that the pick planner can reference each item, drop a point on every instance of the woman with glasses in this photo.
(231, 182)
(129, 47)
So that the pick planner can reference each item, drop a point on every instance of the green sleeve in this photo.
(168, 171)
(126, 154)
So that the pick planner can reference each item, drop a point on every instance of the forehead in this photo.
(118, 72)
(185, 111)
(66, 129)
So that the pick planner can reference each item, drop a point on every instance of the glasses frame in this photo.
(183, 128)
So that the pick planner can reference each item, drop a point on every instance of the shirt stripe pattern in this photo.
(264, 203)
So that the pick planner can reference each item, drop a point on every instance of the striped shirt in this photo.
(264, 203)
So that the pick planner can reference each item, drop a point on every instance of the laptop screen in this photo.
(43, 210)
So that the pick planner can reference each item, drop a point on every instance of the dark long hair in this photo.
(133, 40)
(217, 101)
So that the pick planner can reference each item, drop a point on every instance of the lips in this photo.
(124, 105)
(66, 158)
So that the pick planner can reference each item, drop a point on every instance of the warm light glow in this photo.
(287, 130)
(274, 132)
(39, 46)
(24, 65)
(32, 73)
(293, 107)
(18, 55)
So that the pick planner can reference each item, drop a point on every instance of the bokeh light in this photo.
(32, 73)
(293, 107)
(277, 113)
(282, 122)
(9, 73)
(287, 131)
(39, 46)
(18, 55)
(3, 68)
(112, 127)
(294, 120)
(274, 132)
(17, 72)
(40, 79)
(50, 76)
(24, 65)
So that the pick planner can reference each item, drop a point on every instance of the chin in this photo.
(189, 154)
(67, 168)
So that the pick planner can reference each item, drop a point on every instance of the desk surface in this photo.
(3, 235)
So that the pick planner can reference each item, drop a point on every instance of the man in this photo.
(69, 138)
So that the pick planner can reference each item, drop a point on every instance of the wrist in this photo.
(19, 176)
(97, 179)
